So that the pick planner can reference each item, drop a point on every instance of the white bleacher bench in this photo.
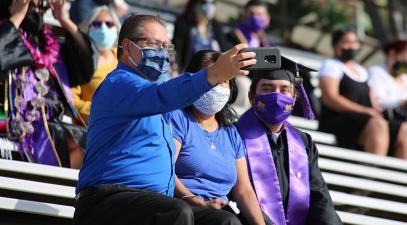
(63, 211)
(38, 188)
(311, 127)
(38, 170)
(341, 198)
(15, 184)
(357, 219)
(38, 208)
(300, 122)
(356, 183)
(321, 137)
(362, 157)
(353, 169)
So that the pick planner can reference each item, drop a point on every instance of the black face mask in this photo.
(400, 67)
(33, 22)
(347, 54)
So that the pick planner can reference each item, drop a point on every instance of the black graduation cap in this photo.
(290, 71)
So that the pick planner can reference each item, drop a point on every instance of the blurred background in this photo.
(376, 21)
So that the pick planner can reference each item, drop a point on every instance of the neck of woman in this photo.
(105, 53)
(201, 23)
(207, 123)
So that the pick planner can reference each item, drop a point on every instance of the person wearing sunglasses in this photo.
(102, 31)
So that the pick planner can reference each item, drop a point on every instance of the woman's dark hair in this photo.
(189, 13)
(227, 116)
(338, 34)
(398, 46)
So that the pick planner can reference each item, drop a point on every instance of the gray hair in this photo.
(84, 26)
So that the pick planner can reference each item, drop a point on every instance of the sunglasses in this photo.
(98, 23)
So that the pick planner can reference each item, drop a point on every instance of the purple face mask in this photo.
(255, 23)
(273, 108)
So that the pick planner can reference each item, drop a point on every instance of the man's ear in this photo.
(125, 47)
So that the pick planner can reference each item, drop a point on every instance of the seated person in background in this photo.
(389, 80)
(197, 29)
(251, 28)
(102, 31)
(210, 153)
(38, 91)
(81, 9)
(283, 161)
(349, 108)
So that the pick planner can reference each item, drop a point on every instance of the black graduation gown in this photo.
(322, 211)
(13, 51)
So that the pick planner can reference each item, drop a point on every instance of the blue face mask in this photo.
(207, 9)
(103, 37)
(155, 63)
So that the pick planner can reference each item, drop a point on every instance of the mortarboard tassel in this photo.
(306, 105)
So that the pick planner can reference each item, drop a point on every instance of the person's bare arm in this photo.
(332, 98)
(244, 195)
(18, 10)
(375, 103)
(62, 16)
(120, 7)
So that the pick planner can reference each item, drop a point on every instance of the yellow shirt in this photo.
(83, 94)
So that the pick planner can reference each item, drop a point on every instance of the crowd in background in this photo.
(365, 109)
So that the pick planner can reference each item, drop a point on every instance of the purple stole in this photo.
(263, 172)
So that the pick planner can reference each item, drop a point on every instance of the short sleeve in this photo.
(331, 68)
(178, 124)
(237, 142)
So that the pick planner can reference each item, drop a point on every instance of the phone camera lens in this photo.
(270, 59)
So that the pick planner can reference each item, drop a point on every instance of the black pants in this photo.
(119, 205)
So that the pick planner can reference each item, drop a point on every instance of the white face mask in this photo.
(213, 101)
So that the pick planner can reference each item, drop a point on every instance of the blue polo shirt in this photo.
(207, 172)
(128, 140)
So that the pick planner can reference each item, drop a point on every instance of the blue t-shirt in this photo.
(206, 172)
(129, 142)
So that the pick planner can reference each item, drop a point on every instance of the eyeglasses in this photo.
(98, 23)
(156, 44)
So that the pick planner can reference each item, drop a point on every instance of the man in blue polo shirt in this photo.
(128, 170)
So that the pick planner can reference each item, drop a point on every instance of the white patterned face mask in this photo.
(213, 101)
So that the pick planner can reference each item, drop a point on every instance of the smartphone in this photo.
(267, 58)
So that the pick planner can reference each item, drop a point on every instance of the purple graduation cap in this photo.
(290, 71)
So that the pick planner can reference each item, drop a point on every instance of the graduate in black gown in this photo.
(283, 161)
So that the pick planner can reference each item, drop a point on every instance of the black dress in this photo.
(348, 126)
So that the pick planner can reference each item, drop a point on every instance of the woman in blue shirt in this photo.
(210, 153)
